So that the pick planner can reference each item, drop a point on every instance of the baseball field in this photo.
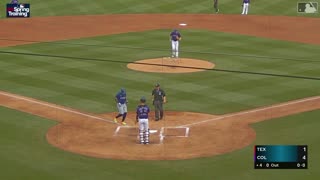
(239, 81)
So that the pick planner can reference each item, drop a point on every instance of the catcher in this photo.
(175, 37)
(142, 117)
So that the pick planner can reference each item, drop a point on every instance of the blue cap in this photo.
(143, 99)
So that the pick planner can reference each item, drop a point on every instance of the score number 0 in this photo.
(301, 165)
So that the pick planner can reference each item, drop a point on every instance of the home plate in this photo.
(153, 131)
(182, 24)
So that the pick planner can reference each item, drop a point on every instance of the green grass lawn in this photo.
(82, 7)
(253, 72)
(258, 71)
(25, 154)
(89, 82)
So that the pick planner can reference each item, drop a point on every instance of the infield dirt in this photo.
(93, 135)
(171, 65)
(96, 135)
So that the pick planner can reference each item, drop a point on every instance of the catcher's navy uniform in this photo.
(142, 117)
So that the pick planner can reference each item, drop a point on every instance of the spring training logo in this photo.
(18, 10)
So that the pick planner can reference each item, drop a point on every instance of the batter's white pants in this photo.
(245, 8)
(144, 130)
(175, 48)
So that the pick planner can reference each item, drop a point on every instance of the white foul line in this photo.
(250, 111)
(55, 106)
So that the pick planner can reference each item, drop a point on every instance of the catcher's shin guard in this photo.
(141, 136)
(146, 136)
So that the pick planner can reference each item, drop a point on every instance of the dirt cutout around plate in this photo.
(180, 135)
(171, 65)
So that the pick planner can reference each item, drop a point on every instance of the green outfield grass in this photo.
(30, 157)
(90, 83)
(251, 72)
(82, 7)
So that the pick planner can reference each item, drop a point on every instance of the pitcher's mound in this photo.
(171, 65)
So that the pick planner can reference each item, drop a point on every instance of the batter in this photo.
(121, 100)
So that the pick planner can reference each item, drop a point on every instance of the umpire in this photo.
(158, 98)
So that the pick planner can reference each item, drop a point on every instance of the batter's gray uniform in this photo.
(121, 99)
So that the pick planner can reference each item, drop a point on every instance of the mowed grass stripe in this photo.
(101, 71)
(84, 7)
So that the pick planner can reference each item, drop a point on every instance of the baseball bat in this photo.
(312, 5)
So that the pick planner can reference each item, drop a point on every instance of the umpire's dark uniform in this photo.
(158, 98)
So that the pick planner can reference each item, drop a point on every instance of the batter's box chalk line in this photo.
(117, 130)
(162, 134)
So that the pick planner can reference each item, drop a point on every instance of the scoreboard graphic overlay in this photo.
(18, 10)
(281, 157)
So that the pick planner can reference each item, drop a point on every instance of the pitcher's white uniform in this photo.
(142, 117)
(245, 7)
(175, 37)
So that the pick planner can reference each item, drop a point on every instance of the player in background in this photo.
(215, 6)
(14, 2)
(175, 37)
(245, 7)
(142, 117)
(121, 100)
